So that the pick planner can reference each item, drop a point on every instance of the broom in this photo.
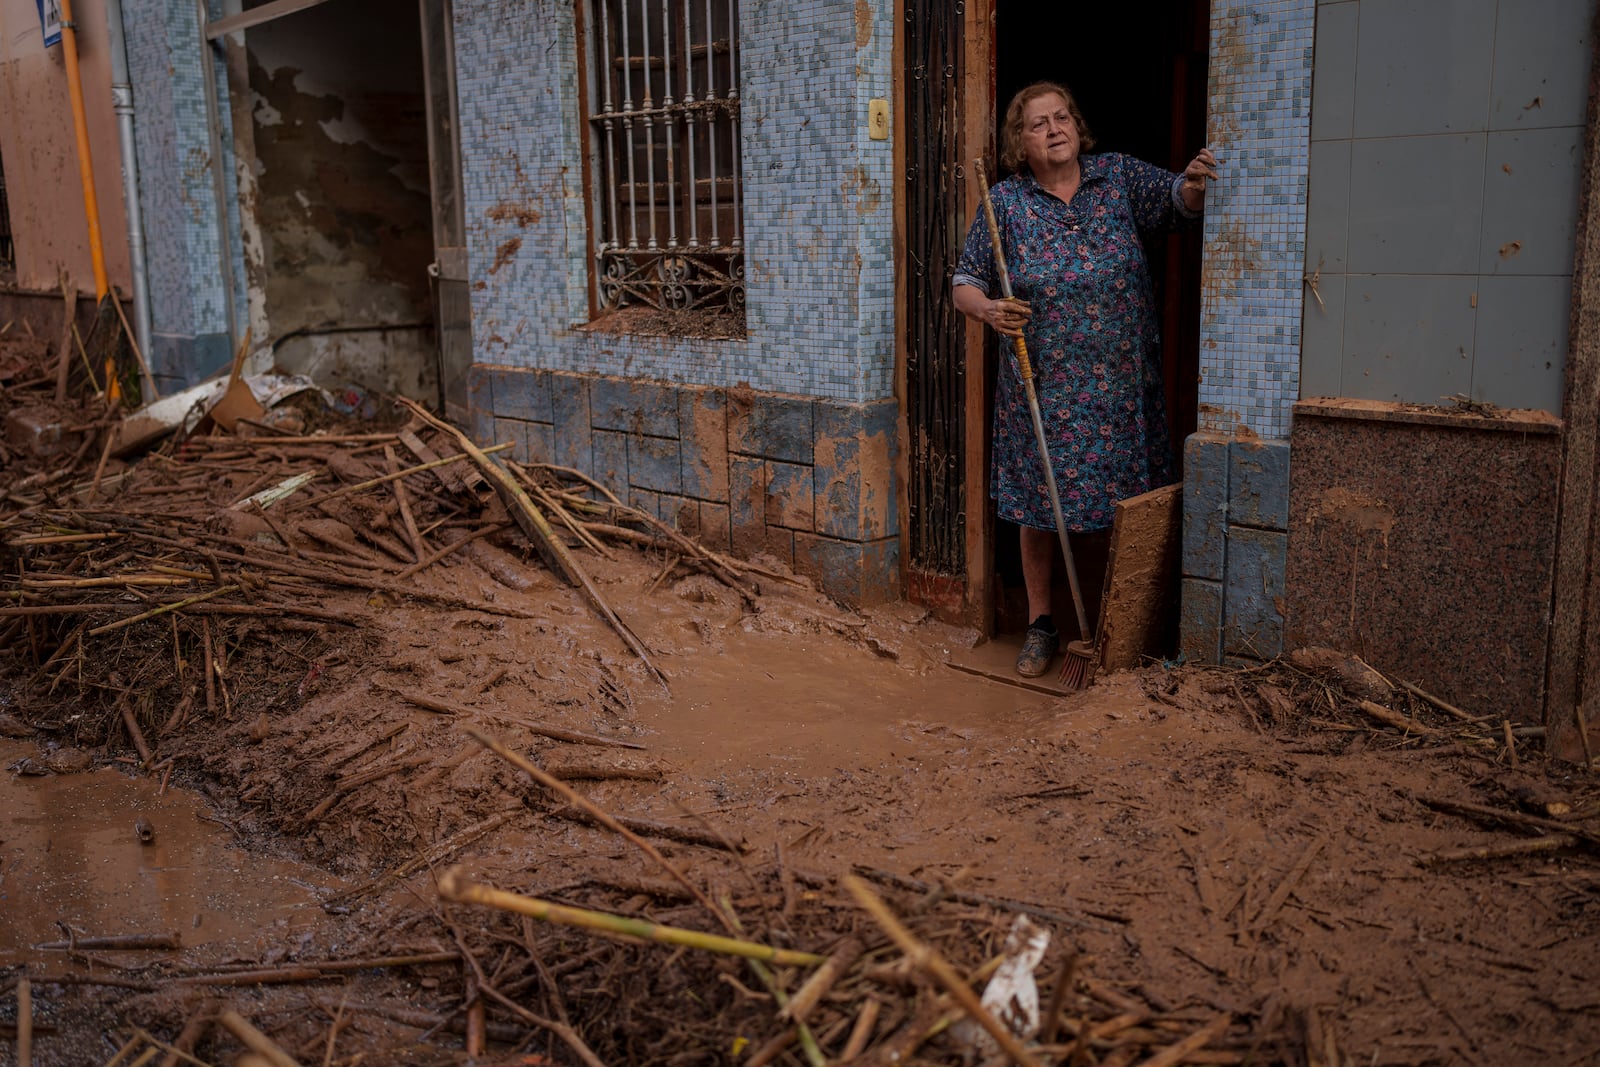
(1080, 653)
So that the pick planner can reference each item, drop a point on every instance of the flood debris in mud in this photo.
(342, 636)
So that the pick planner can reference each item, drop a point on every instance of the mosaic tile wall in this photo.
(1260, 107)
(188, 301)
(1236, 469)
(818, 204)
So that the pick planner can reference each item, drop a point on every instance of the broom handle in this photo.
(1025, 369)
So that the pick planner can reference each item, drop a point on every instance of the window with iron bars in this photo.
(664, 133)
(8, 253)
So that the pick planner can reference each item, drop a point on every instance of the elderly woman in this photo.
(1070, 226)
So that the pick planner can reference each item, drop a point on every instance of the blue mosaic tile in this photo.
(822, 291)
(1252, 285)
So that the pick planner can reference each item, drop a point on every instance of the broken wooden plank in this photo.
(1141, 578)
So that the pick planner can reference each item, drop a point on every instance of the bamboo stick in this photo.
(24, 1022)
(1176, 1054)
(386, 478)
(459, 543)
(539, 530)
(453, 886)
(162, 610)
(131, 721)
(255, 1040)
(926, 958)
(571, 796)
(1551, 843)
(1395, 719)
(117, 942)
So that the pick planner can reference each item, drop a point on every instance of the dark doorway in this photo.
(1138, 70)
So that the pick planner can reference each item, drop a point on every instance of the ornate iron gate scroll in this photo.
(935, 173)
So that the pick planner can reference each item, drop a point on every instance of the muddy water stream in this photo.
(69, 853)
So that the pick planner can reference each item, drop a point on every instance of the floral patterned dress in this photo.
(1094, 340)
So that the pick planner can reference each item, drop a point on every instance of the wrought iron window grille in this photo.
(664, 123)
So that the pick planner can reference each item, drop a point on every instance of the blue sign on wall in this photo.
(50, 20)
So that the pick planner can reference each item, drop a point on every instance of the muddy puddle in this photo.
(71, 852)
(811, 706)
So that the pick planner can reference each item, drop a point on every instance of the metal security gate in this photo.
(936, 170)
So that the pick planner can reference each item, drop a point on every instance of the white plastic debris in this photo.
(1011, 996)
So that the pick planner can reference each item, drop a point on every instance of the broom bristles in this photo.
(1075, 669)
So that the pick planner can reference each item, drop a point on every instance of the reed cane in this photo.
(1080, 653)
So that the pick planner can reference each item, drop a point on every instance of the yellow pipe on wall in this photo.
(80, 125)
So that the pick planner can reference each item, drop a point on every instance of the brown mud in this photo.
(1238, 849)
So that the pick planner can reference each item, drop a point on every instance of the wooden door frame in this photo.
(969, 600)
(978, 132)
(1572, 679)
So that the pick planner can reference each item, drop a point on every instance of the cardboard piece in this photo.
(1141, 591)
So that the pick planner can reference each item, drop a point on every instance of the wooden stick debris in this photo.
(578, 800)
(1512, 818)
(255, 1040)
(1531, 846)
(900, 881)
(24, 1022)
(1396, 720)
(117, 942)
(454, 886)
(1269, 910)
(539, 531)
(926, 958)
(1179, 1053)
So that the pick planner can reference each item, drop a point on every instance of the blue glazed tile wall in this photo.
(818, 202)
(1260, 108)
(189, 304)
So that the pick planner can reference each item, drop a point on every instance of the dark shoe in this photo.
(1038, 649)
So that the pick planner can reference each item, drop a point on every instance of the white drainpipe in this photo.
(122, 104)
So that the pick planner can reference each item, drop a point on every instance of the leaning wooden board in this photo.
(1141, 591)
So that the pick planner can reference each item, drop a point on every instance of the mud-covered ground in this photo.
(1240, 852)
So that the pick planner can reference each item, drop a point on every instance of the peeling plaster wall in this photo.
(40, 156)
(343, 203)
